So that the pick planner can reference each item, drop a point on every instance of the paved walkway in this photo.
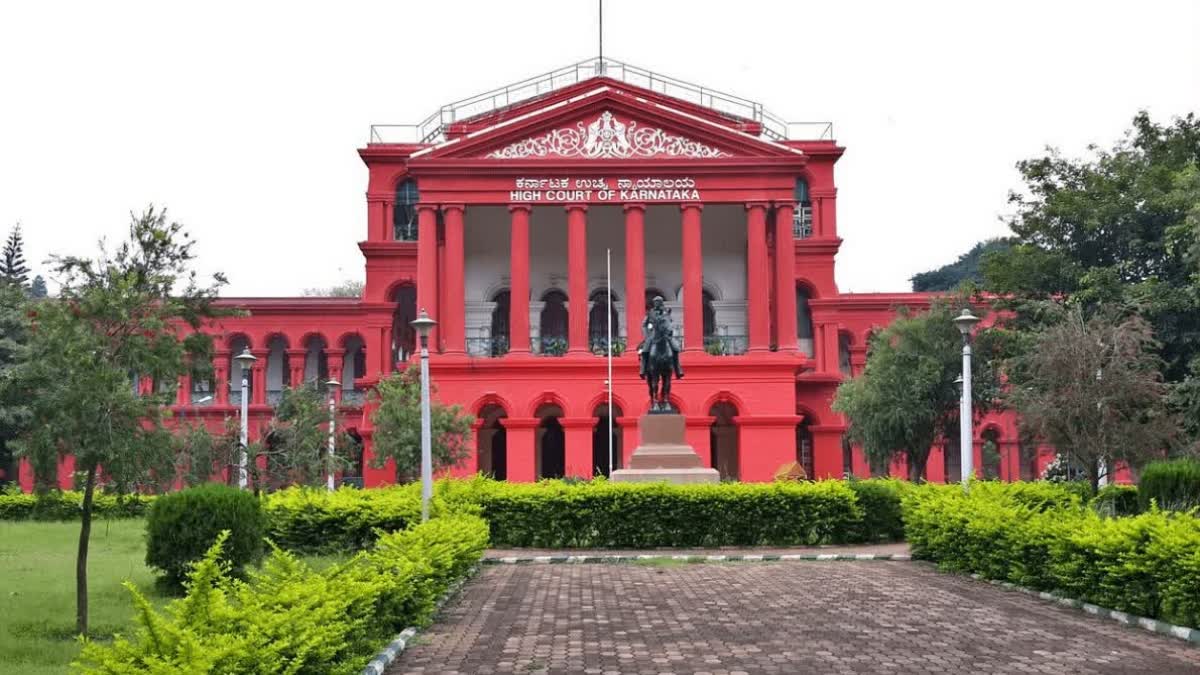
(787, 617)
(900, 548)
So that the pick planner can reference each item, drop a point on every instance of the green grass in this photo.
(37, 589)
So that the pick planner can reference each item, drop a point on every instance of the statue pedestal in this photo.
(663, 454)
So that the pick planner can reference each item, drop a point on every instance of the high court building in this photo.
(498, 214)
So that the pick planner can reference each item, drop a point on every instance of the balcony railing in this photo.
(353, 398)
(487, 347)
(599, 346)
(235, 397)
(725, 345)
(433, 128)
(274, 396)
(802, 222)
(550, 346)
(201, 398)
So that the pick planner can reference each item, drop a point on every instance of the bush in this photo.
(879, 499)
(309, 521)
(1117, 500)
(1174, 485)
(288, 618)
(1147, 564)
(67, 505)
(181, 526)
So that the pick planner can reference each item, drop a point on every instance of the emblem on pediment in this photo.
(607, 138)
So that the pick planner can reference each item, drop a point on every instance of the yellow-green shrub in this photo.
(67, 505)
(310, 520)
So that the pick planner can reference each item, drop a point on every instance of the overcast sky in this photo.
(243, 117)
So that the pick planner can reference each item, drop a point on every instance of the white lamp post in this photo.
(423, 324)
(332, 385)
(245, 361)
(966, 322)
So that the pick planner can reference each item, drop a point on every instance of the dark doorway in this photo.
(600, 466)
(553, 450)
(804, 448)
(404, 336)
(492, 443)
(723, 440)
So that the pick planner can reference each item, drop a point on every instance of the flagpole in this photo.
(608, 274)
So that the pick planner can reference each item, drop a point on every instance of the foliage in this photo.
(296, 446)
(1147, 564)
(180, 527)
(879, 499)
(397, 422)
(1115, 500)
(318, 521)
(131, 313)
(906, 398)
(67, 505)
(200, 454)
(1172, 485)
(37, 288)
(1092, 389)
(288, 618)
(13, 269)
(966, 269)
(350, 288)
(14, 410)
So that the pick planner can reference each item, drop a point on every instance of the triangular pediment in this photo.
(606, 123)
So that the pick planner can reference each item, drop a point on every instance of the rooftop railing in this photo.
(433, 128)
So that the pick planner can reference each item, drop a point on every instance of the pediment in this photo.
(607, 124)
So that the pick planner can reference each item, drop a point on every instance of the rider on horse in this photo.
(658, 310)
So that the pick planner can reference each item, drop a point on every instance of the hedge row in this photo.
(318, 521)
(288, 618)
(66, 505)
(1147, 564)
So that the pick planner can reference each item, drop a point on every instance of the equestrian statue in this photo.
(658, 356)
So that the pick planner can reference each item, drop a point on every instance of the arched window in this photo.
(804, 448)
(802, 218)
(316, 361)
(499, 328)
(354, 365)
(236, 346)
(404, 215)
(804, 323)
(278, 373)
(723, 440)
(597, 325)
(492, 442)
(553, 322)
(404, 336)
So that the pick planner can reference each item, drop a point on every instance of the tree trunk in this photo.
(81, 558)
(916, 467)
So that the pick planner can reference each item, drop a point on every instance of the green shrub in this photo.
(1147, 564)
(307, 520)
(67, 505)
(1117, 500)
(879, 499)
(181, 526)
(288, 618)
(1174, 485)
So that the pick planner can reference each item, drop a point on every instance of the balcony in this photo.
(725, 345)
(802, 222)
(599, 346)
(353, 398)
(487, 347)
(550, 346)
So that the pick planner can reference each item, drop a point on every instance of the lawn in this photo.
(37, 595)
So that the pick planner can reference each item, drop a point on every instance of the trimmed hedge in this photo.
(67, 505)
(311, 521)
(1117, 500)
(1173, 485)
(289, 618)
(1147, 564)
(181, 526)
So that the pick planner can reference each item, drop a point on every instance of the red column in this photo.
(453, 317)
(221, 377)
(334, 358)
(577, 279)
(693, 278)
(518, 270)
(785, 278)
(577, 435)
(258, 388)
(521, 465)
(427, 267)
(635, 274)
(758, 277)
(296, 367)
(629, 438)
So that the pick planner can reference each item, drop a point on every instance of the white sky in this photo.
(243, 117)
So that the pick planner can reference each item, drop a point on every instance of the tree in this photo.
(906, 398)
(201, 454)
(295, 449)
(14, 413)
(37, 288)
(13, 269)
(130, 314)
(351, 288)
(1092, 388)
(397, 423)
(967, 268)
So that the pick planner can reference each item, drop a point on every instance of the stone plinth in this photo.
(663, 454)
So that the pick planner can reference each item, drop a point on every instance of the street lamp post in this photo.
(423, 324)
(244, 360)
(332, 385)
(966, 322)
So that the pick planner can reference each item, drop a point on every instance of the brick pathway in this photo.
(900, 548)
(805, 617)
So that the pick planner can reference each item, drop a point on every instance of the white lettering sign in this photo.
(641, 189)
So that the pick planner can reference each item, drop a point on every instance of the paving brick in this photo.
(784, 617)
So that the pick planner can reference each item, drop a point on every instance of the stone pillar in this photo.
(693, 279)
(635, 276)
(427, 267)
(453, 319)
(377, 223)
(577, 435)
(335, 359)
(258, 388)
(295, 359)
(758, 278)
(577, 279)
(518, 269)
(785, 278)
(825, 212)
(522, 467)
(221, 377)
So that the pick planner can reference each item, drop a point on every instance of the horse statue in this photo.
(659, 357)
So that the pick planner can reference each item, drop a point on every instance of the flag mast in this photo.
(609, 381)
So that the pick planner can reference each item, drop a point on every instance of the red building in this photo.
(495, 215)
